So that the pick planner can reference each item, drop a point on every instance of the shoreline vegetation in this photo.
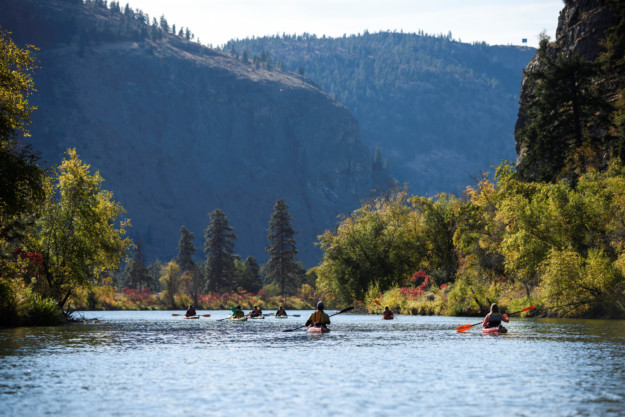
(556, 242)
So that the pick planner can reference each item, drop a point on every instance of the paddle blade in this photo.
(175, 315)
(528, 308)
(206, 315)
(377, 302)
(464, 327)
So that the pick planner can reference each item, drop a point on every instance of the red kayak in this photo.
(387, 318)
(495, 330)
(313, 329)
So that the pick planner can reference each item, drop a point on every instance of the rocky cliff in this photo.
(178, 130)
(582, 29)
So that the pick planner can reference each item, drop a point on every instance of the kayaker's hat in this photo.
(320, 305)
(386, 307)
(239, 307)
(281, 308)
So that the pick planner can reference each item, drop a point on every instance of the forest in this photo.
(549, 232)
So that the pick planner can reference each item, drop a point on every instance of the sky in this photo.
(496, 22)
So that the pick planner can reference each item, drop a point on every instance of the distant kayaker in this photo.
(319, 318)
(237, 312)
(256, 312)
(494, 318)
(387, 314)
(280, 312)
(190, 311)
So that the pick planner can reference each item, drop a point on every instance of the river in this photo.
(149, 363)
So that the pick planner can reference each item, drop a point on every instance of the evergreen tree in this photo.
(219, 241)
(377, 160)
(138, 273)
(282, 266)
(185, 250)
(566, 119)
(248, 275)
(187, 266)
(154, 269)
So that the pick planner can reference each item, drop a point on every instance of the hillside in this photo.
(442, 111)
(178, 130)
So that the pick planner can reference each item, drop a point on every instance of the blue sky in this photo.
(497, 22)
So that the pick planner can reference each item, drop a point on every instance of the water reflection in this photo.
(140, 363)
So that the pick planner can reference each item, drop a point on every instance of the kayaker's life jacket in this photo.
(318, 317)
(387, 314)
(494, 320)
(190, 312)
(280, 313)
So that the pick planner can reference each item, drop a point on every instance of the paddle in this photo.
(466, 327)
(342, 311)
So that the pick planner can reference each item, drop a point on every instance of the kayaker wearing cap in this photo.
(319, 318)
(190, 311)
(237, 312)
(280, 312)
(494, 318)
(256, 312)
(388, 314)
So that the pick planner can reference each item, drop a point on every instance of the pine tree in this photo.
(282, 266)
(138, 273)
(219, 241)
(565, 120)
(185, 250)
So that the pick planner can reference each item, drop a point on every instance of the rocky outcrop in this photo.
(582, 28)
(178, 130)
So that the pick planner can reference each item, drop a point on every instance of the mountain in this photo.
(440, 110)
(178, 130)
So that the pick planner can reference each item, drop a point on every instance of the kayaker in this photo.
(494, 318)
(388, 314)
(256, 312)
(237, 312)
(280, 312)
(190, 311)
(319, 318)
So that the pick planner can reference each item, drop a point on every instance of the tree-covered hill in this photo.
(440, 110)
(179, 130)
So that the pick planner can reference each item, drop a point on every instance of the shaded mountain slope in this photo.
(178, 130)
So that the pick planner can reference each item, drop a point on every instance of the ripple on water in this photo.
(150, 363)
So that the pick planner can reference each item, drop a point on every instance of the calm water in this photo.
(153, 364)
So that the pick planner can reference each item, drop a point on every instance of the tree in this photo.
(81, 230)
(219, 249)
(172, 282)
(565, 120)
(20, 177)
(282, 265)
(248, 275)
(378, 245)
(139, 274)
(377, 163)
(187, 266)
(185, 250)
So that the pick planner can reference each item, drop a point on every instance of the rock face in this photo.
(178, 130)
(582, 27)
